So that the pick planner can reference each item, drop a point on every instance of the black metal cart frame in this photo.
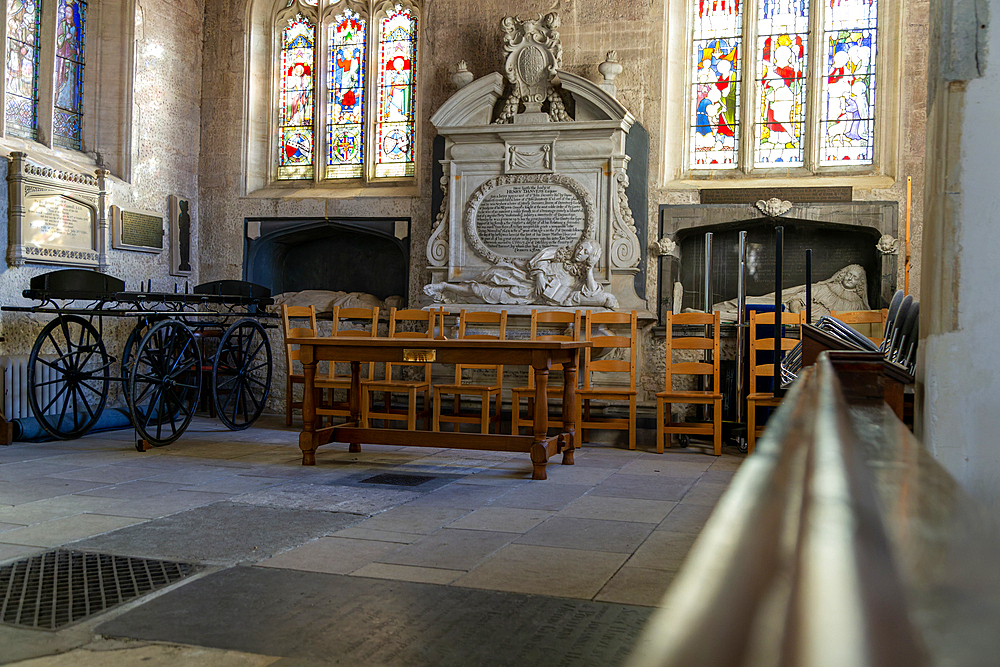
(161, 365)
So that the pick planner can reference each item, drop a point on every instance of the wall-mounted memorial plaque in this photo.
(137, 230)
(55, 216)
(181, 229)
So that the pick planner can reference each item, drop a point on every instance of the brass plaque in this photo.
(794, 195)
(141, 230)
(419, 356)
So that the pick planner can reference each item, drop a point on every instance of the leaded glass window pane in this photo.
(716, 90)
(346, 96)
(394, 125)
(296, 99)
(23, 42)
(782, 35)
(67, 116)
(847, 125)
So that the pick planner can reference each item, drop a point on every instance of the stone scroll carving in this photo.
(437, 244)
(534, 53)
(625, 251)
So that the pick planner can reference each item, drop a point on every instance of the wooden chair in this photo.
(789, 340)
(691, 369)
(294, 376)
(614, 346)
(401, 325)
(545, 317)
(491, 392)
(365, 317)
(870, 323)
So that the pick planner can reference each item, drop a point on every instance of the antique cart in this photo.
(161, 365)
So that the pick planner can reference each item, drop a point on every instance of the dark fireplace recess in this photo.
(369, 255)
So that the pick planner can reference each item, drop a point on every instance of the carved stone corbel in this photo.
(624, 239)
(773, 207)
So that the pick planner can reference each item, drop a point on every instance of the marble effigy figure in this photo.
(846, 290)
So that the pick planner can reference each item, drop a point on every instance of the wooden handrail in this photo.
(794, 567)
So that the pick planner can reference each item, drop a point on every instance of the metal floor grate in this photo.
(60, 587)
(398, 480)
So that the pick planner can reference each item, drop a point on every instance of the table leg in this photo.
(307, 439)
(569, 407)
(539, 456)
(354, 402)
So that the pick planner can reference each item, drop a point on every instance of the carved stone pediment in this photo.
(534, 54)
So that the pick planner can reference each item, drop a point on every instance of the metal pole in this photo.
(779, 233)
(809, 286)
(741, 303)
(708, 272)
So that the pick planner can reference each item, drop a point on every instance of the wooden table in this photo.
(538, 354)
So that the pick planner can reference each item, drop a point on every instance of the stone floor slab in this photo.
(68, 529)
(449, 549)
(637, 585)
(588, 534)
(618, 509)
(333, 555)
(501, 519)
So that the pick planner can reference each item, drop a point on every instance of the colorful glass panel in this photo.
(847, 126)
(715, 123)
(394, 117)
(782, 35)
(23, 37)
(346, 97)
(296, 100)
(67, 116)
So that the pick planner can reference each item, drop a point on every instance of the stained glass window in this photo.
(346, 94)
(394, 126)
(296, 100)
(716, 89)
(782, 34)
(67, 116)
(848, 115)
(23, 42)
(796, 115)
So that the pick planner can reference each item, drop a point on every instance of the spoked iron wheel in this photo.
(131, 344)
(68, 377)
(241, 374)
(165, 382)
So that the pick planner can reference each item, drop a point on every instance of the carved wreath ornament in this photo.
(472, 209)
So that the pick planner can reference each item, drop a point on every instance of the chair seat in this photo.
(552, 391)
(682, 396)
(606, 393)
(761, 396)
(464, 388)
(390, 384)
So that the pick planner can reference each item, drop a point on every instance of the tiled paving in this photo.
(613, 528)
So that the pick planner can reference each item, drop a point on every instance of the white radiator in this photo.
(14, 385)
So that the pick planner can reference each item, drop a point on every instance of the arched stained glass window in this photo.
(23, 44)
(363, 52)
(346, 93)
(811, 71)
(395, 125)
(67, 116)
(848, 123)
(298, 41)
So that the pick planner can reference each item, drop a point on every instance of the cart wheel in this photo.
(165, 382)
(68, 377)
(241, 374)
(131, 343)
(684, 440)
(744, 445)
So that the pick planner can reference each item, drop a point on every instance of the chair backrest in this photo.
(789, 339)
(289, 329)
(604, 341)
(554, 317)
(492, 319)
(410, 324)
(872, 322)
(703, 342)
(365, 317)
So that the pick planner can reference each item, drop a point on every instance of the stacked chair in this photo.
(708, 371)
(543, 319)
(609, 354)
(293, 326)
(489, 393)
(789, 338)
(415, 324)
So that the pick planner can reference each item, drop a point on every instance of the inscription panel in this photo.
(140, 229)
(523, 219)
(55, 221)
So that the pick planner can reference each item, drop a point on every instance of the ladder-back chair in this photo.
(343, 318)
(691, 370)
(291, 319)
(869, 323)
(488, 393)
(414, 324)
(619, 354)
(789, 339)
(546, 319)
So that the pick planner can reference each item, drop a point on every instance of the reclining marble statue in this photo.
(555, 276)
(846, 290)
